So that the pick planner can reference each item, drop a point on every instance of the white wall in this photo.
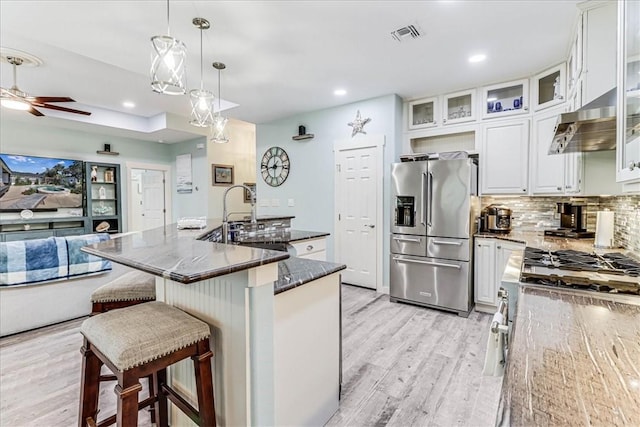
(40, 137)
(192, 204)
(311, 180)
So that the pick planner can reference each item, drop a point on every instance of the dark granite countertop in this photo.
(537, 239)
(290, 236)
(574, 360)
(178, 255)
(294, 272)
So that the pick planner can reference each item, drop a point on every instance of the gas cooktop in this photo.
(611, 272)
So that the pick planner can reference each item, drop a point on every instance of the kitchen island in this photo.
(275, 322)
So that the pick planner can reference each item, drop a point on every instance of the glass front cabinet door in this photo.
(422, 113)
(628, 125)
(506, 99)
(459, 107)
(549, 87)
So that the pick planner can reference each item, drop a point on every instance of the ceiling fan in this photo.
(15, 99)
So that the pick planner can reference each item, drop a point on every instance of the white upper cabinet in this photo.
(423, 113)
(505, 99)
(549, 88)
(599, 62)
(552, 173)
(504, 157)
(628, 125)
(459, 107)
(574, 61)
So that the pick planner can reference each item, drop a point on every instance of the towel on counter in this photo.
(494, 360)
(36, 260)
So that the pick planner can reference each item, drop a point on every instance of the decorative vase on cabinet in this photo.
(628, 124)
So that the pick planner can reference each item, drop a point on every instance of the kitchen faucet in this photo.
(225, 222)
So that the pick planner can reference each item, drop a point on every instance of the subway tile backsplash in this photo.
(535, 213)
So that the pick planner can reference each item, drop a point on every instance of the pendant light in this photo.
(168, 64)
(218, 135)
(201, 99)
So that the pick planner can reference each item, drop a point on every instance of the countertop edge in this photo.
(188, 278)
(319, 269)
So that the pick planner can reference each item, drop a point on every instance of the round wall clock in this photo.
(275, 166)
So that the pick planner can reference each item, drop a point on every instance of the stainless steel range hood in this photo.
(591, 128)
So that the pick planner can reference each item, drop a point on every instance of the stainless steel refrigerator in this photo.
(435, 205)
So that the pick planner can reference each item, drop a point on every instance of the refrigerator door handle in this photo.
(424, 198)
(439, 242)
(430, 200)
(405, 239)
(435, 264)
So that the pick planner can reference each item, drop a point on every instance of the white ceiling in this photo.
(283, 57)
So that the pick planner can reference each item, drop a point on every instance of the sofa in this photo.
(46, 281)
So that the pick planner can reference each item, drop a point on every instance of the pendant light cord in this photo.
(168, 22)
(201, 72)
(219, 92)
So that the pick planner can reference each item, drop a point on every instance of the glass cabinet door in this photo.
(549, 87)
(422, 113)
(628, 148)
(506, 99)
(459, 107)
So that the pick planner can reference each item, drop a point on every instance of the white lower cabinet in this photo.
(490, 260)
(504, 157)
(315, 249)
(556, 174)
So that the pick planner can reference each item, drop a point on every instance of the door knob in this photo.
(370, 225)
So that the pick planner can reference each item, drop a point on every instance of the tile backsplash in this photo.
(534, 213)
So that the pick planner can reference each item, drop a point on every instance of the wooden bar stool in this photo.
(136, 342)
(134, 287)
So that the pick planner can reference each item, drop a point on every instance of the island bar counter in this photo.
(231, 288)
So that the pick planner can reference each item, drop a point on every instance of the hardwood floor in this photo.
(403, 366)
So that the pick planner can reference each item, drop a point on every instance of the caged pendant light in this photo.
(168, 64)
(218, 128)
(201, 99)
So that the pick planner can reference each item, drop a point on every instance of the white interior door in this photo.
(358, 209)
(153, 204)
(149, 199)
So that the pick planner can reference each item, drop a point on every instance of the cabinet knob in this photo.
(568, 186)
(499, 247)
(632, 165)
(559, 188)
(524, 190)
(309, 247)
(444, 120)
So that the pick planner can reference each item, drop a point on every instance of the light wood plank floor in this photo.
(403, 366)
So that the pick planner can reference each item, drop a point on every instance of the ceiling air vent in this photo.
(404, 33)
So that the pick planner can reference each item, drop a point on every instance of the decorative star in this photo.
(358, 124)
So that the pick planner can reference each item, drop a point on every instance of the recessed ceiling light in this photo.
(477, 58)
(128, 104)
(339, 92)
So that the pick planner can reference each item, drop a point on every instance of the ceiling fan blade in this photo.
(35, 112)
(55, 107)
(43, 99)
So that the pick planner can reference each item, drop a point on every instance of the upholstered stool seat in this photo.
(131, 288)
(139, 341)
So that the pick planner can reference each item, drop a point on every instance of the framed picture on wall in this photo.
(222, 174)
(247, 195)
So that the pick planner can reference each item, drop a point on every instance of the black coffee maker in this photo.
(572, 222)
